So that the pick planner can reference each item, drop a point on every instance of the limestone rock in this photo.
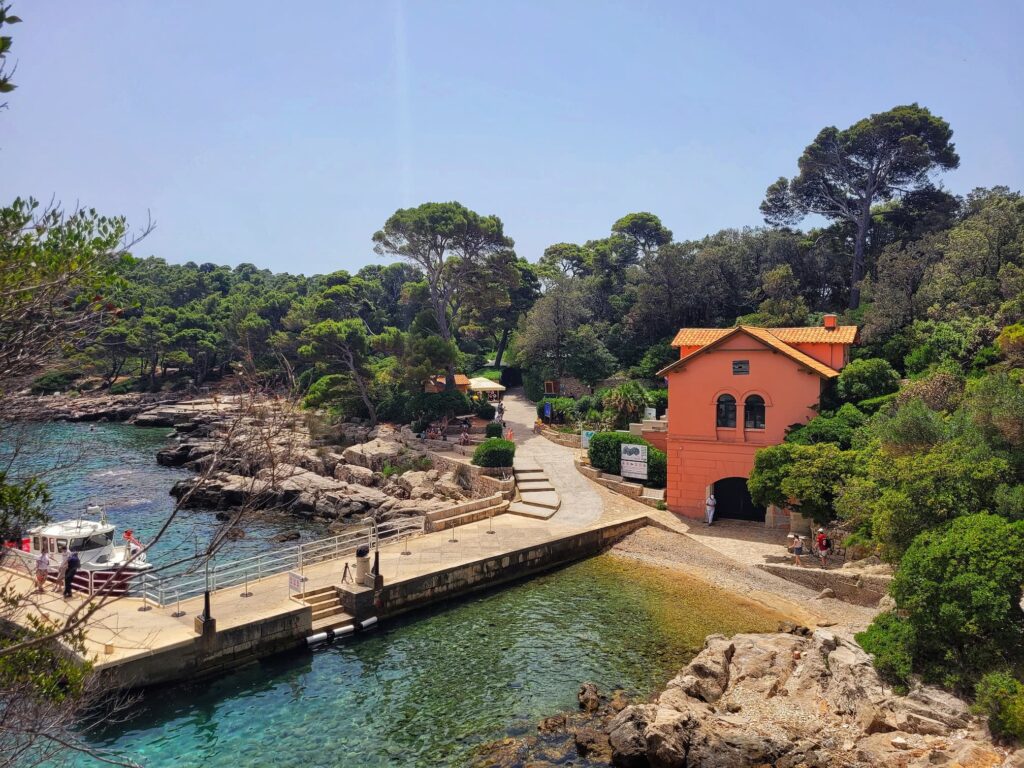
(589, 698)
(353, 473)
(374, 454)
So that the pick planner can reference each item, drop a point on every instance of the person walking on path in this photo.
(709, 509)
(796, 546)
(823, 545)
(42, 570)
(69, 574)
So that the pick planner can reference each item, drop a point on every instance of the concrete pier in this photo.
(137, 644)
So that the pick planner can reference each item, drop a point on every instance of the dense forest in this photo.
(916, 454)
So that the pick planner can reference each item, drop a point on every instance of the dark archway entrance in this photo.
(734, 501)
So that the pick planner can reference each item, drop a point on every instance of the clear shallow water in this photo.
(429, 689)
(425, 690)
(114, 466)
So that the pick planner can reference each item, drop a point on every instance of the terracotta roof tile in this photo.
(764, 335)
(698, 337)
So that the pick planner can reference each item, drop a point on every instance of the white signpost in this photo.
(633, 461)
(585, 435)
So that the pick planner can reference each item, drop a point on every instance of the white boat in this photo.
(104, 566)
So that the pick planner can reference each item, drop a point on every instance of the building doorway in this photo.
(734, 502)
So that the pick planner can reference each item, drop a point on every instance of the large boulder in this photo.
(790, 700)
(374, 454)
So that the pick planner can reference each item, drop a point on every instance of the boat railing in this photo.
(163, 590)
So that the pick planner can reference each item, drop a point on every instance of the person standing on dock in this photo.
(58, 583)
(42, 570)
(69, 574)
(709, 509)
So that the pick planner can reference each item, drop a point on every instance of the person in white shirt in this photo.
(709, 509)
(42, 570)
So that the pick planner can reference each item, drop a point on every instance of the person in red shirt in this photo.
(823, 546)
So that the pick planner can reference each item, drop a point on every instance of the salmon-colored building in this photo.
(734, 390)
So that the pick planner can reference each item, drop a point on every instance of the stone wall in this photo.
(616, 483)
(223, 651)
(572, 440)
(459, 580)
(849, 585)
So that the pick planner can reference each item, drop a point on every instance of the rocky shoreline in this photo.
(27, 407)
(263, 454)
(269, 455)
(792, 699)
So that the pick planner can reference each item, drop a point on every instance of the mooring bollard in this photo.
(145, 603)
(177, 599)
(490, 522)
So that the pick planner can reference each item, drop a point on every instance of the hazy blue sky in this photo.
(284, 134)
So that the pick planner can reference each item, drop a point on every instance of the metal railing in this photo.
(166, 589)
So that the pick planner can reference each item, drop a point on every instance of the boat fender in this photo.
(319, 637)
(368, 623)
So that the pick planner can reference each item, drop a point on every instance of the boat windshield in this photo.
(96, 541)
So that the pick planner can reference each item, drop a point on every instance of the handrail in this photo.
(164, 590)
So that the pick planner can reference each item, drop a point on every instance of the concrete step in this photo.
(529, 510)
(528, 471)
(318, 594)
(525, 465)
(468, 517)
(335, 621)
(547, 499)
(541, 484)
(330, 610)
(319, 601)
(658, 494)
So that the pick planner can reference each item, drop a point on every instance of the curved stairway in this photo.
(535, 495)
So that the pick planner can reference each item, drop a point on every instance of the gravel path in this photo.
(680, 552)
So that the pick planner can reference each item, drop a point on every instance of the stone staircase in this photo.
(467, 512)
(535, 495)
(327, 610)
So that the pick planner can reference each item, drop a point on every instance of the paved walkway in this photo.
(581, 504)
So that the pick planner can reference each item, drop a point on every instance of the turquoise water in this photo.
(430, 689)
(426, 690)
(114, 466)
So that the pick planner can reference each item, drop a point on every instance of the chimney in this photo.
(829, 321)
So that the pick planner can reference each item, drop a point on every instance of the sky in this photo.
(285, 134)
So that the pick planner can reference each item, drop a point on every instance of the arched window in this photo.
(753, 412)
(726, 412)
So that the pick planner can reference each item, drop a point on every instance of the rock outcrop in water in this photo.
(271, 458)
(794, 700)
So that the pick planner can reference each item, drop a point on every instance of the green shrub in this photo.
(864, 379)
(829, 428)
(605, 454)
(533, 386)
(873, 404)
(958, 590)
(562, 408)
(485, 410)
(126, 386)
(1000, 696)
(431, 406)
(890, 640)
(625, 403)
(658, 399)
(57, 381)
(493, 429)
(494, 452)
(326, 389)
